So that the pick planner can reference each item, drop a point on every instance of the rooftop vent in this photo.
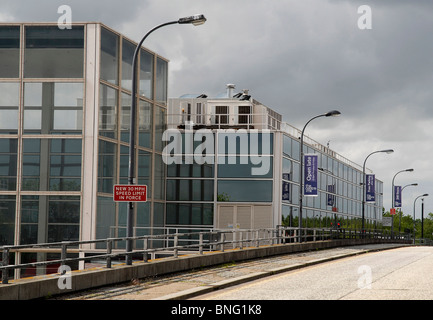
(230, 88)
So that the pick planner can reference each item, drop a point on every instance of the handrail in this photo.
(206, 240)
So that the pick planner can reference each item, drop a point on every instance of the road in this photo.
(397, 274)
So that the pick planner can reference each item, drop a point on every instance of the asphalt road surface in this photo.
(397, 274)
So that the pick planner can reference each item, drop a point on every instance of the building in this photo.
(64, 124)
(64, 132)
(224, 192)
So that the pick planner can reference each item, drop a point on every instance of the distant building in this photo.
(225, 192)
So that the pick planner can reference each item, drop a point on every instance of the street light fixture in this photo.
(194, 20)
(388, 151)
(424, 195)
(333, 113)
(392, 199)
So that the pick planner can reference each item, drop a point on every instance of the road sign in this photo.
(386, 221)
(129, 193)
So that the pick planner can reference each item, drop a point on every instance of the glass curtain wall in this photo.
(43, 67)
(114, 127)
(339, 197)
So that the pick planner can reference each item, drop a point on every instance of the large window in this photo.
(9, 102)
(109, 56)
(51, 165)
(146, 74)
(128, 49)
(245, 190)
(9, 52)
(106, 166)
(53, 107)
(7, 219)
(108, 111)
(145, 115)
(161, 81)
(54, 53)
(8, 164)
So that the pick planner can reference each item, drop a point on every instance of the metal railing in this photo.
(180, 243)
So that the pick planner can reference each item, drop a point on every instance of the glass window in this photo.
(61, 167)
(105, 218)
(190, 170)
(190, 190)
(243, 167)
(7, 220)
(189, 214)
(29, 219)
(54, 53)
(159, 186)
(160, 126)
(144, 168)
(161, 81)
(109, 56)
(108, 112)
(8, 164)
(146, 74)
(245, 143)
(128, 49)
(246, 190)
(63, 218)
(125, 117)
(9, 102)
(53, 107)
(9, 51)
(145, 124)
(106, 166)
(124, 165)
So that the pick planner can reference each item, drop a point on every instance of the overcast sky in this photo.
(301, 58)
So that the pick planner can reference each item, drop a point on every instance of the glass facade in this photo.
(339, 197)
(244, 172)
(64, 133)
(114, 128)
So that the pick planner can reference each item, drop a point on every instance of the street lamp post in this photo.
(195, 20)
(392, 200)
(424, 195)
(409, 185)
(363, 188)
(333, 113)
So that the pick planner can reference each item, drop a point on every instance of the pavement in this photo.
(187, 285)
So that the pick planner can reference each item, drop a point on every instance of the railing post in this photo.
(63, 253)
(176, 239)
(223, 235)
(109, 249)
(5, 262)
(241, 240)
(145, 247)
(200, 242)
(257, 237)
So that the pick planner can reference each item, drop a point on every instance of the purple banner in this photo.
(397, 196)
(310, 175)
(370, 188)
